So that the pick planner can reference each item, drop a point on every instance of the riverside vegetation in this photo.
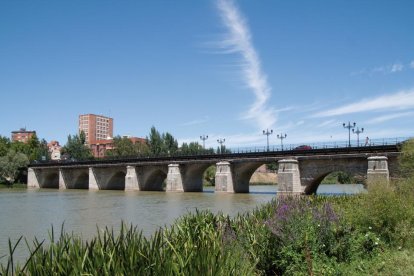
(365, 234)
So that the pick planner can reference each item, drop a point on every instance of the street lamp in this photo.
(221, 142)
(349, 126)
(357, 132)
(204, 138)
(281, 137)
(267, 133)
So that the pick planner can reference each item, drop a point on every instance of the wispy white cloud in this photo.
(385, 69)
(196, 122)
(238, 40)
(397, 67)
(412, 64)
(328, 123)
(398, 101)
(389, 117)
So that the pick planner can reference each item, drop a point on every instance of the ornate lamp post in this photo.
(357, 132)
(349, 126)
(267, 133)
(204, 138)
(221, 142)
(281, 137)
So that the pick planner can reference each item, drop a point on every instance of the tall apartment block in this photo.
(22, 135)
(96, 127)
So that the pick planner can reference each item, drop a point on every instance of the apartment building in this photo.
(22, 135)
(95, 127)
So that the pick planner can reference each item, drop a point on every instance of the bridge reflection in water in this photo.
(299, 172)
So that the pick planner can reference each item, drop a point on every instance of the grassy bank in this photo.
(13, 186)
(315, 235)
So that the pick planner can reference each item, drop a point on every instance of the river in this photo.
(31, 213)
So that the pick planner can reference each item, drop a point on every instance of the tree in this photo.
(192, 148)
(37, 150)
(274, 166)
(209, 176)
(122, 147)
(10, 165)
(20, 147)
(76, 149)
(125, 147)
(4, 145)
(155, 142)
(170, 144)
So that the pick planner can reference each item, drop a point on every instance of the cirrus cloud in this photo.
(398, 101)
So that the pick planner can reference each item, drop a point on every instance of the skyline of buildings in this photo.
(98, 131)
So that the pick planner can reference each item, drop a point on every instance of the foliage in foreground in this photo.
(365, 234)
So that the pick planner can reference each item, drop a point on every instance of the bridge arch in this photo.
(193, 177)
(313, 172)
(116, 181)
(243, 173)
(152, 178)
(81, 181)
(50, 180)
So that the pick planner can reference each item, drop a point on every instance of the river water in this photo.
(31, 213)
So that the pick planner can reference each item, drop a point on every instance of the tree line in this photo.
(15, 156)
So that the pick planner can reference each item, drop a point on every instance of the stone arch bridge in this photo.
(299, 172)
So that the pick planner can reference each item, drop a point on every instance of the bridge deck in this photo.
(204, 158)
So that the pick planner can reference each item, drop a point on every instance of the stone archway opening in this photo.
(117, 181)
(209, 176)
(340, 182)
(51, 181)
(156, 181)
(265, 174)
(82, 181)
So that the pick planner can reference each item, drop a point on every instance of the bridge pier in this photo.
(377, 170)
(131, 179)
(93, 184)
(62, 184)
(288, 178)
(174, 179)
(32, 181)
(224, 177)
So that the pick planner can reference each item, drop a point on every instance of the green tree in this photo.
(123, 146)
(272, 166)
(20, 147)
(10, 164)
(76, 149)
(4, 145)
(155, 142)
(192, 148)
(209, 176)
(170, 144)
(37, 150)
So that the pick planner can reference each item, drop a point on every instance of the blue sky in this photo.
(228, 69)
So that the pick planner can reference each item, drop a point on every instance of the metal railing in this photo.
(322, 145)
(300, 148)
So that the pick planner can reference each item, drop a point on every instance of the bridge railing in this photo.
(321, 145)
(246, 150)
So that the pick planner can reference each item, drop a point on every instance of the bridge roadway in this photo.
(300, 171)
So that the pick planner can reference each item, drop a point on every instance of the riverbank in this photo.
(13, 186)
(342, 235)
